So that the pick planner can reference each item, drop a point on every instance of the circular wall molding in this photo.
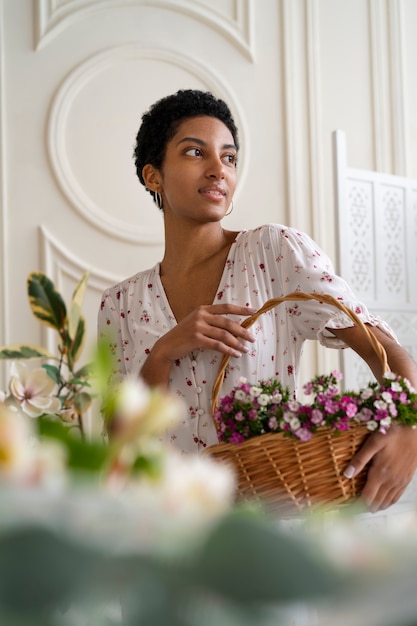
(64, 101)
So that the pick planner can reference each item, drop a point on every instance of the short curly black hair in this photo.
(161, 121)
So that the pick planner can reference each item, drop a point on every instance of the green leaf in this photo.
(46, 303)
(53, 372)
(82, 401)
(41, 571)
(77, 344)
(82, 455)
(76, 305)
(85, 372)
(24, 351)
(248, 560)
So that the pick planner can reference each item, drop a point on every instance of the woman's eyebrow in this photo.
(201, 142)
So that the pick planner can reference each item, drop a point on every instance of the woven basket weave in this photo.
(288, 475)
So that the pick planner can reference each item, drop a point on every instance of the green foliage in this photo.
(83, 455)
(209, 585)
(49, 308)
(24, 351)
(45, 301)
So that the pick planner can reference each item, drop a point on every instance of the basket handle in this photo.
(299, 295)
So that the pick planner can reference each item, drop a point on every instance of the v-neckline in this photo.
(222, 277)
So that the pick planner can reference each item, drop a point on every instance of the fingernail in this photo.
(237, 354)
(251, 310)
(251, 337)
(349, 471)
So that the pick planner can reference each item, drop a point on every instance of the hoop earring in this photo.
(158, 200)
(230, 210)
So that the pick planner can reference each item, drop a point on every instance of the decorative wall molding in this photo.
(304, 168)
(398, 87)
(59, 263)
(52, 18)
(387, 43)
(56, 133)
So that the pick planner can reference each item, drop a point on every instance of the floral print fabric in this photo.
(269, 261)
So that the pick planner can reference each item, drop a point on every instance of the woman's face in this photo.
(198, 174)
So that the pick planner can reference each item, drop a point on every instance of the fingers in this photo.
(207, 327)
(391, 460)
(358, 462)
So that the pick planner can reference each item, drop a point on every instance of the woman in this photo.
(173, 323)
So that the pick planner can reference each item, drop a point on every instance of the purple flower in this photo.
(236, 438)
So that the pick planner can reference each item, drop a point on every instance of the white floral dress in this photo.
(269, 261)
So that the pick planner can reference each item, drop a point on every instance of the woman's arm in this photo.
(392, 457)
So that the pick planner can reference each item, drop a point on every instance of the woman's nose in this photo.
(216, 168)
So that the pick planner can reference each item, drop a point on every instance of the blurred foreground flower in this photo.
(15, 433)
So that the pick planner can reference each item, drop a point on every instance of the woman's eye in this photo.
(193, 152)
(231, 159)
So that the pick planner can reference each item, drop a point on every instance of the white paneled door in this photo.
(76, 76)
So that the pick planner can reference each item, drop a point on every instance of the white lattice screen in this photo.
(377, 249)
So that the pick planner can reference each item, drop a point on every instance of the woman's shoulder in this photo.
(269, 232)
(133, 283)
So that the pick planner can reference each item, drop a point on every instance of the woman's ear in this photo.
(152, 177)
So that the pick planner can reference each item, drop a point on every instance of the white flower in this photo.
(141, 413)
(295, 423)
(396, 387)
(32, 389)
(379, 404)
(366, 393)
(372, 425)
(240, 395)
(242, 380)
(293, 405)
(255, 391)
(385, 422)
(15, 444)
(276, 398)
(390, 375)
(287, 416)
(264, 399)
(192, 487)
(409, 386)
(387, 397)
(393, 410)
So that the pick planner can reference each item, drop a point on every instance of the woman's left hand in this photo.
(392, 457)
(392, 462)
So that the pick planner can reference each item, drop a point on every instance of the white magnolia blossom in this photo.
(33, 390)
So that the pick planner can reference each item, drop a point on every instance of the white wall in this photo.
(77, 75)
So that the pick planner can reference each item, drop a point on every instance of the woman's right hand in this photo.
(207, 327)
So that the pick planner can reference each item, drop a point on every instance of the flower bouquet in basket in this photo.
(291, 455)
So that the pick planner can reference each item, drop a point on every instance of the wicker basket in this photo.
(288, 475)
